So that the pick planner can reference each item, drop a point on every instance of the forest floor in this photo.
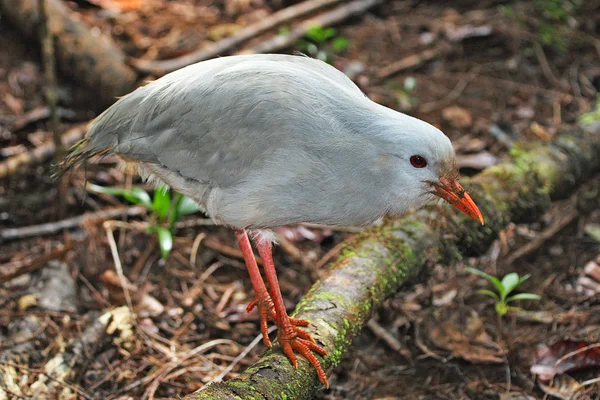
(488, 73)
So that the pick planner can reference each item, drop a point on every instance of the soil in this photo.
(498, 67)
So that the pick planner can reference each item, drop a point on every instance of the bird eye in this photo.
(418, 162)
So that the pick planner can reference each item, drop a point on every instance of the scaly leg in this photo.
(262, 299)
(290, 337)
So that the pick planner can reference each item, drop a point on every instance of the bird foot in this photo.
(290, 336)
(294, 339)
(266, 312)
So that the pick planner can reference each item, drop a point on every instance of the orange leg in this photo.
(262, 299)
(261, 296)
(290, 337)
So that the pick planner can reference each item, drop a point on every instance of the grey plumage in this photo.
(268, 140)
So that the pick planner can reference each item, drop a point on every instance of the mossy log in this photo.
(376, 263)
(86, 57)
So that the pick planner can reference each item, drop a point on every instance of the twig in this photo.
(12, 270)
(38, 114)
(412, 61)
(51, 95)
(335, 250)
(333, 17)
(226, 45)
(518, 86)
(557, 226)
(41, 153)
(194, 251)
(229, 251)
(240, 357)
(546, 69)
(575, 352)
(177, 361)
(388, 338)
(453, 95)
(108, 226)
(198, 287)
(51, 228)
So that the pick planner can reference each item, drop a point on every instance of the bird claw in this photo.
(266, 312)
(293, 340)
(290, 336)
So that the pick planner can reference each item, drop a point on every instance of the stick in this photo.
(52, 228)
(557, 226)
(379, 261)
(411, 61)
(225, 45)
(12, 270)
(41, 153)
(333, 17)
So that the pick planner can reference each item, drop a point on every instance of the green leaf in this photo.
(187, 206)
(523, 279)
(495, 281)
(135, 195)
(303, 45)
(340, 44)
(593, 231)
(165, 241)
(509, 282)
(162, 202)
(319, 35)
(524, 296)
(489, 293)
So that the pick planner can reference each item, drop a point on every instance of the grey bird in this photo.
(261, 141)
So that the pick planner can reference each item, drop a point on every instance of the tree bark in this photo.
(93, 60)
(379, 261)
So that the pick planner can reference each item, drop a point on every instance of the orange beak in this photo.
(451, 191)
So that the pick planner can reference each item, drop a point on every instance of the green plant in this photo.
(503, 288)
(591, 116)
(165, 210)
(322, 43)
(551, 18)
(404, 92)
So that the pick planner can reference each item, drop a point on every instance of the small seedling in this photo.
(404, 92)
(593, 115)
(165, 210)
(503, 288)
(322, 43)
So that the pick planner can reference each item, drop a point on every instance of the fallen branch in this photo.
(38, 114)
(12, 270)
(52, 228)
(412, 61)
(41, 153)
(88, 58)
(223, 46)
(333, 17)
(569, 215)
(378, 262)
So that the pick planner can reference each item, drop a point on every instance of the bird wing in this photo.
(217, 121)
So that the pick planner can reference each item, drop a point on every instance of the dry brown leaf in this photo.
(457, 117)
(463, 334)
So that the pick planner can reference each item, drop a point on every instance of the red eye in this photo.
(418, 162)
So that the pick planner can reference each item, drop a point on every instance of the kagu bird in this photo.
(261, 141)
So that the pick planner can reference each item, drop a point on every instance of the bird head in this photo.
(428, 169)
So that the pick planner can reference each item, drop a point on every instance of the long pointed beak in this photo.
(451, 191)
